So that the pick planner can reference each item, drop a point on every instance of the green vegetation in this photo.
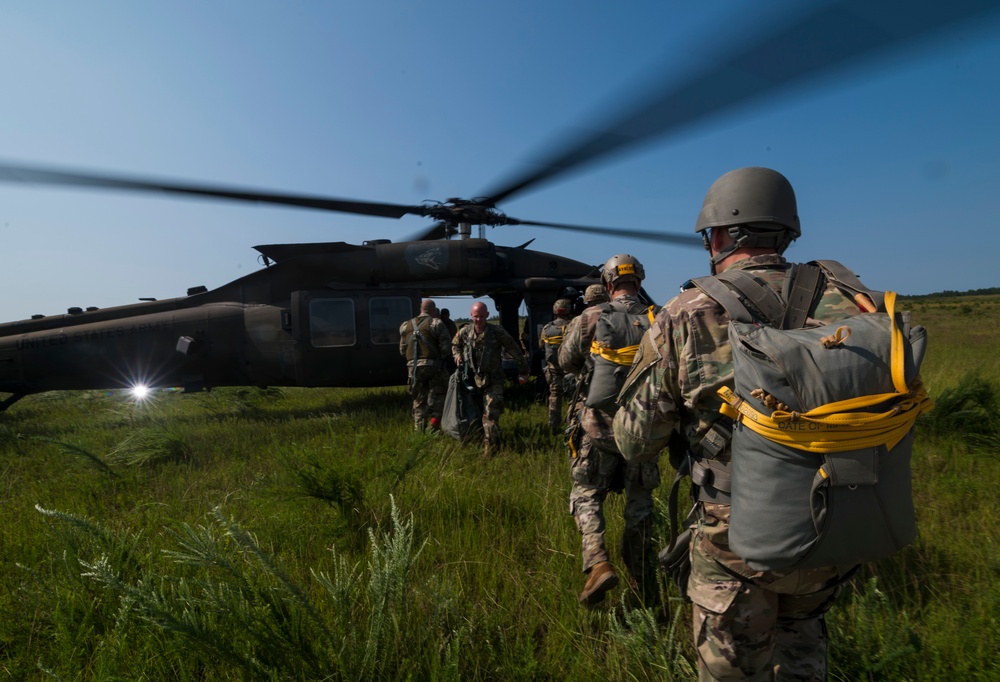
(309, 534)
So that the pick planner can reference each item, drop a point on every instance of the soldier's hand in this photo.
(458, 360)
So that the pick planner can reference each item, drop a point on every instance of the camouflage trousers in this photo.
(557, 388)
(428, 387)
(490, 398)
(597, 470)
(755, 625)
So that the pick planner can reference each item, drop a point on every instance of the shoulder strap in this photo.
(847, 280)
(757, 293)
(800, 289)
(724, 296)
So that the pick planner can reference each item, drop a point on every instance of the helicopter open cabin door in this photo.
(351, 338)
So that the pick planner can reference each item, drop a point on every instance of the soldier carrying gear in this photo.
(748, 623)
(426, 345)
(595, 293)
(549, 340)
(596, 465)
(478, 348)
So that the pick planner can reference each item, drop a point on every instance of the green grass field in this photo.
(308, 534)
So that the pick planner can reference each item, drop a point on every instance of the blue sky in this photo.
(896, 165)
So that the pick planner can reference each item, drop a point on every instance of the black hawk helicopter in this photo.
(328, 314)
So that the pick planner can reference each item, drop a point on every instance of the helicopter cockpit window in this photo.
(386, 314)
(331, 322)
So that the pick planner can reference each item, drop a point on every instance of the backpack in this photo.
(417, 344)
(616, 340)
(824, 416)
(552, 338)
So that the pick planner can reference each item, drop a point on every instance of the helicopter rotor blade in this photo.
(37, 175)
(648, 235)
(834, 36)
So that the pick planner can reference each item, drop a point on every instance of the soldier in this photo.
(480, 347)
(747, 624)
(425, 343)
(549, 340)
(596, 465)
(449, 323)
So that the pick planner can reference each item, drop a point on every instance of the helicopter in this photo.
(327, 314)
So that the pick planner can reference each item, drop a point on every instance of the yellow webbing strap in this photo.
(832, 427)
(553, 340)
(620, 356)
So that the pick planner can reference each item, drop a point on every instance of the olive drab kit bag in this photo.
(462, 415)
(823, 421)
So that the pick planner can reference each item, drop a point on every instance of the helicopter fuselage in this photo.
(318, 315)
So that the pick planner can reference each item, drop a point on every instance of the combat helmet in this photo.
(562, 307)
(596, 293)
(758, 207)
(622, 268)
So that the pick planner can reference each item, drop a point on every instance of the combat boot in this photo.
(601, 580)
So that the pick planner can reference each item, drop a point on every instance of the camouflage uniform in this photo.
(449, 325)
(748, 624)
(597, 467)
(549, 340)
(428, 379)
(485, 354)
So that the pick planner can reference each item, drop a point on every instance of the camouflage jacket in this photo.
(685, 358)
(574, 354)
(485, 352)
(436, 346)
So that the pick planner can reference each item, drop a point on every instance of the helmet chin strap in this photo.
(745, 237)
(717, 258)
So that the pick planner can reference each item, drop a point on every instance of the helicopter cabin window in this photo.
(331, 322)
(386, 314)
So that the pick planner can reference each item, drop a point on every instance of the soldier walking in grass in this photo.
(425, 344)
(748, 624)
(596, 346)
(479, 347)
(549, 340)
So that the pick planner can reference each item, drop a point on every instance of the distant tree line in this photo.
(952, 294)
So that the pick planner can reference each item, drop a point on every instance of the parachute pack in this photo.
(823, 421)
(616, 341)
(552, 337)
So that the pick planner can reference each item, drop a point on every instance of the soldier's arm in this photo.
(575, 348)
(402, 339)
(649, 409)
(458, 345)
